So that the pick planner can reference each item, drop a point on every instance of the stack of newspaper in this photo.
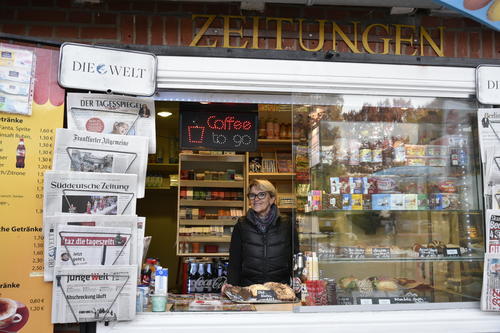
(93, 237)
(489, 136)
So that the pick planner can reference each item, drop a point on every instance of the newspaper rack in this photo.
(103, 150)
(132, 194)
(107, 311)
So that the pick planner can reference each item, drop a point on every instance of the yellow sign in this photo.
(26, 145)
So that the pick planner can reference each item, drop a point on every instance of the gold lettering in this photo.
(399, 27)
(425, 35)
(203, 29)
(352, 45)
(255, 32)
(321, 37)
(227, 31)
(366, 33)
(279, 29)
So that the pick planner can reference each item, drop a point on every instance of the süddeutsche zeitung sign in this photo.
(488, 84)
(96, 68)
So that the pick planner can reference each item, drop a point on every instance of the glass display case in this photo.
(390, 200)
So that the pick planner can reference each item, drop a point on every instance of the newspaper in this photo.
(110, 114)
(67, 192)
(93, 293)
(105, 153)
(490, 294)
(141, 231)
(489, 129)
(493, 231)
(51, 223)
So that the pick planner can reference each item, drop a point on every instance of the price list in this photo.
(37, 257)
(44, 159)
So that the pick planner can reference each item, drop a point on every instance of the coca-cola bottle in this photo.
(208, 279)
(20, 153)
(199, 285)
(192, 278)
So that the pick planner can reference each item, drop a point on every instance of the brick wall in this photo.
(170, 23)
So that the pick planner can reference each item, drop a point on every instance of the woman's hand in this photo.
(224, 287)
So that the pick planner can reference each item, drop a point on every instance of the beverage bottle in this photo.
(193, 276)
(298, 273)
(20, 153)
(208, 279)
(199, 284)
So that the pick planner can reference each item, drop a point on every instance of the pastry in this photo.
(475, 4)
(386, 285)
(283, 292)
(254, 287)
(349, 282)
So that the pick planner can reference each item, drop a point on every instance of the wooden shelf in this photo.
(271, 175)
(211, 158)
(213, 183)
(208, 222)
(161, 188)
(205, 239)
(211, 203)
(275, 141)
(216, 254)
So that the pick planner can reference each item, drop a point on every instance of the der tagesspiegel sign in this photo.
(105, 69)
(229, 131)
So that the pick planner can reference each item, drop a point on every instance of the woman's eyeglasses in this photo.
(260, 195)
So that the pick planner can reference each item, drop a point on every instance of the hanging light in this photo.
(164, 114)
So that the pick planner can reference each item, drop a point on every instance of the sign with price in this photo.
(26, 144)
(209, 130)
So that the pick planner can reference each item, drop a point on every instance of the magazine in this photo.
(104, 153)
(93, 293)
(67, 192)
(112, 114)
(489, 129)
(51, 223)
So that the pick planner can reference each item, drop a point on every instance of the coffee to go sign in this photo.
(230, 131)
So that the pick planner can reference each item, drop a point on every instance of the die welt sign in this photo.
(208, 130)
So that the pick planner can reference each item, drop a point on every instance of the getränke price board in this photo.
(209, 130)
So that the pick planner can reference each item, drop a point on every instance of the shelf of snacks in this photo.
(394, 207)
(212, 183)
(211, 199)
(228, 222)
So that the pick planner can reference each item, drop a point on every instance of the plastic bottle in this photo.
(20, 153)
(270, 128)
(276, 126)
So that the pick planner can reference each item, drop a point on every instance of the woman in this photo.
(262, 241)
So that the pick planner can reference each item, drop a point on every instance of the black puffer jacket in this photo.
(257, 257)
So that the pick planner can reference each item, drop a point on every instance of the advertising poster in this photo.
(26, 145)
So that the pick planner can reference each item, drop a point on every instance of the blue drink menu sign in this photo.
(485, 11)
(212, 130)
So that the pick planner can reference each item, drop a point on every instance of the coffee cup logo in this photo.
(8, 312)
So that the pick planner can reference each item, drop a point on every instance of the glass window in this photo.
(389, 203)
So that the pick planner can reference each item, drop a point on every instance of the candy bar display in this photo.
(394, 210)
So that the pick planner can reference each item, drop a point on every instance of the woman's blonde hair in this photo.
(263, 185)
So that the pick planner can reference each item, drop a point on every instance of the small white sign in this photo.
(488, 84)
(111, 70)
